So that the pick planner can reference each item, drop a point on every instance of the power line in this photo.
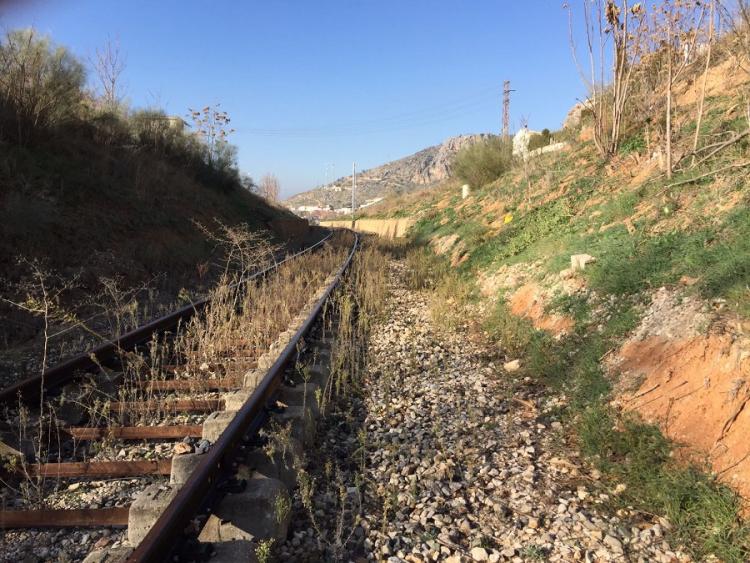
(404, 120)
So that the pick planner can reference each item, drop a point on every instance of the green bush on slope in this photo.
(482, 162)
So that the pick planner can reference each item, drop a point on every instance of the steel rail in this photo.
(30, 388)
(164, 535)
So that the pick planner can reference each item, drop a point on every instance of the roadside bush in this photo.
(165, 136)
(42, 99)
(539, 140)
(109, 128)
(482, 162)
(41, 84)
(633, 144)
(153, 129)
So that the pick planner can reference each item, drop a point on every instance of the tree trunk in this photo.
(699, 119)
(668, 147)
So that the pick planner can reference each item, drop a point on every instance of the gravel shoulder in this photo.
(444, 456)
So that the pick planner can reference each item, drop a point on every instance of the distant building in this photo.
(310, 208)
(161, 122)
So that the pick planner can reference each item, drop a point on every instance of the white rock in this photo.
(579, 261)
(513, 365)
(479, 554)
(613, 543)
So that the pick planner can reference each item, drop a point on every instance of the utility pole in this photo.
(506, 109)
(354, 187)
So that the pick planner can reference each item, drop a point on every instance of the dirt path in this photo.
(460, 462)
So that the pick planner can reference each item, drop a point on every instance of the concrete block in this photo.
(182, 467)
(74, 396)
(301, 395)
(109, 555)
(107, 382)
(215, 424)
(280, 466)
(261, 511)
(217, 529)
(146, 509)
(233, 401)
(252, 378)
(11, 447)
(302, 420)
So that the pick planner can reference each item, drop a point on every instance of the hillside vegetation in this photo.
(101, 199)
(644, 333)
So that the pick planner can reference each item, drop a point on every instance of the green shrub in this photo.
(513, 333)
(539, 140)
(41, 84)
(42, 100)
(633, 144)
(482, 162)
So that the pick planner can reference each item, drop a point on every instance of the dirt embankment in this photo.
(529, 302)
(689, 373)
(530, 299)
(685, 368)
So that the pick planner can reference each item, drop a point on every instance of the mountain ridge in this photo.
(424, 168)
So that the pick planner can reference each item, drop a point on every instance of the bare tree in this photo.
(677, 27)
(736, 18)
(609, 92)
(212, 125)
(702, 98)
(109, 64)
(735, 15)
(269, 187)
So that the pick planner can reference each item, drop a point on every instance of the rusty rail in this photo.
(63, 372)
(166, 532)
(65, 518)
(176, 431)
(102, 469)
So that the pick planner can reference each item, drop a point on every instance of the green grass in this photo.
(576, 306)
(718, 256)
(705, 514)
(632, 144)
(518, 240)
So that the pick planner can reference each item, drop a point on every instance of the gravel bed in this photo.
(444, 456)
(73, 544)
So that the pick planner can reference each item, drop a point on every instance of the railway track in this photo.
(191, 413)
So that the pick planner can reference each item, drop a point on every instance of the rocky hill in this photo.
(422, 169)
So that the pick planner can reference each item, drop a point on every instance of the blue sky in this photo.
(313, 86)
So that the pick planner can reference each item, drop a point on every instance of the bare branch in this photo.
(109, 64)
